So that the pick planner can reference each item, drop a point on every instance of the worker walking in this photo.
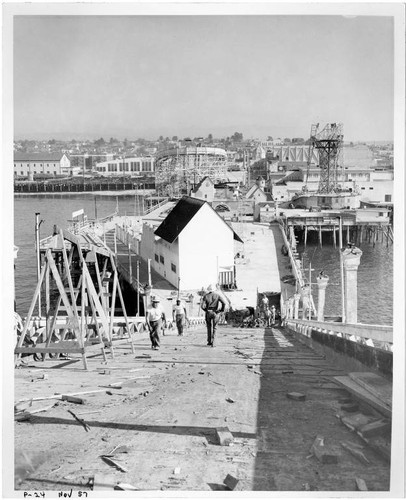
(273, 314)
(212, 304)
(154, 317)
(179, 316)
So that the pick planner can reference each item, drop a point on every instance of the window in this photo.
(371, 189)
(363, 188)
(156, 258)
(388, 197)
(173, 267)
(161, 259)
(22, 173)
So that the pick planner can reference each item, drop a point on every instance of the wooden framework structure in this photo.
(85, 324)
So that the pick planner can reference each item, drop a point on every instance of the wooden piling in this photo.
(334, 236)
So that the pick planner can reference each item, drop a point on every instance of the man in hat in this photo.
(154, 318)
(179, 316)
(210, 304)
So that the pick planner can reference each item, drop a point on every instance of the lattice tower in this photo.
(329, 144)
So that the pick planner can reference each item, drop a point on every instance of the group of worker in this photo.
(212, 303)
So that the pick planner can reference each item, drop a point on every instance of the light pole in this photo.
(37, 244)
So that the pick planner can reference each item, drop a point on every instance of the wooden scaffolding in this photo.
(84, 325)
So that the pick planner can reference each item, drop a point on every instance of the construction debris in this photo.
(350, 407)
(355, 451)
(73, 399)
(20, 416)
(81, 421)
(125, 487)
(232, 483)
(224, 436)
(113, 463)
(297, 396)
(322, 452)
(361, 484)
(376, 428)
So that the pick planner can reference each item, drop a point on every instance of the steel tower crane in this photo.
(328, 142)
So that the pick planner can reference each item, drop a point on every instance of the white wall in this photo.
(205, 244)
(378, 192)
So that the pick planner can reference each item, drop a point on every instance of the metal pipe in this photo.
(138, 287)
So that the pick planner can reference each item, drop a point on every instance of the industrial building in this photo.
(30, 164)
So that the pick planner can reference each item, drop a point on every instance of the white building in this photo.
(126, 166)
(30, 164)
(192, 247)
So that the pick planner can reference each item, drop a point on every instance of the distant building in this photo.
(204, 190)
(192, 247)
(126, 166)
(31, 164)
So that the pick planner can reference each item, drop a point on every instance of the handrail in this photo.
(157, 205)
(378, 333)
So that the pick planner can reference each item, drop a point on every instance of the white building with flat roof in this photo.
(126, 166)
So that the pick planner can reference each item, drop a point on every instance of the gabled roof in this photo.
(180, 216)
(37, 156)
(252, 191)
(200, 184)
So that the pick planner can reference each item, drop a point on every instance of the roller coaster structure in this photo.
(178, 168)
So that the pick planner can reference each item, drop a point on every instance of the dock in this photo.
(267, 409)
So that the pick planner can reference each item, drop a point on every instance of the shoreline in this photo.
(129, 192)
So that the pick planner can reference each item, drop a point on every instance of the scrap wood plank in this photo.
(378, 386)
(365, 395)
(113, 463)
(26, 413)
(59, 395)
(355, 451)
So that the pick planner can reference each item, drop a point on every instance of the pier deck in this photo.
(169, 405)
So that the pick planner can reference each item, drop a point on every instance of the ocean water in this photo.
(375, 280)
(375, 273)
(54, 210)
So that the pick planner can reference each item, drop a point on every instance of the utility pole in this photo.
(138, 287)
(149, 273)
(37, 247)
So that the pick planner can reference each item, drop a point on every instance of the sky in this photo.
(146, 76)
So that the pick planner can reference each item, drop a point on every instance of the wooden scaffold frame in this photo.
(89, 324)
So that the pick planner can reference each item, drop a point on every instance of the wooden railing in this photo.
(372, 335)
(37, 326)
